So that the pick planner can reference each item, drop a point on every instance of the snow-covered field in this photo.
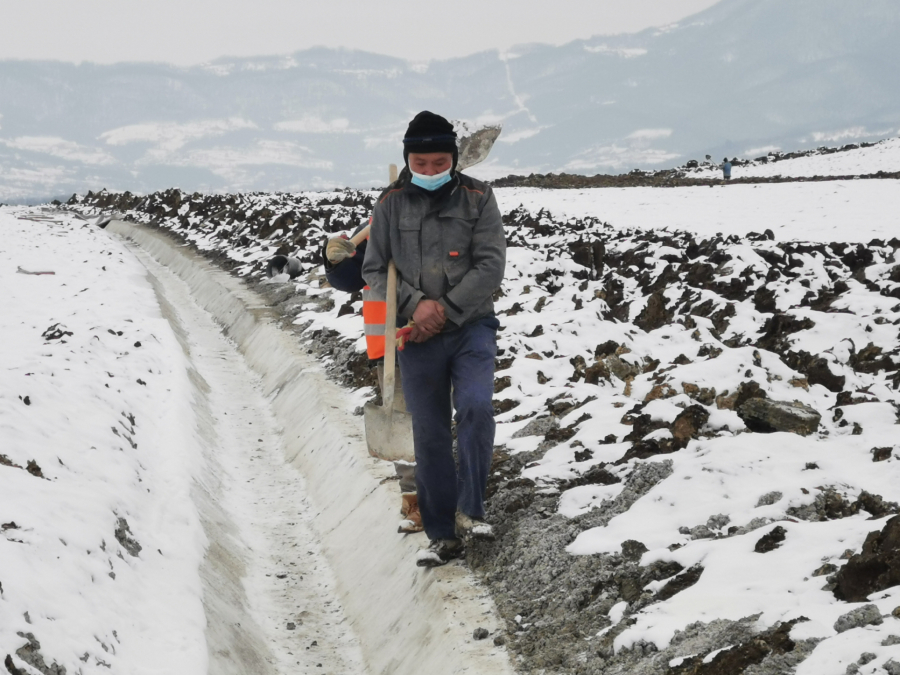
(882, 156)
(101, 546)
(633, 340)
(856, 211)
(122, 461)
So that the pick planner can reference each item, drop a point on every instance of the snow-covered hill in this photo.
(851, 160)
(739, 79)
(696, 431)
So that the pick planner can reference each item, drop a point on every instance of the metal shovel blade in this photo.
(474, 147)
(389, 433)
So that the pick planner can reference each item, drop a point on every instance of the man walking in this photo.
(443, 231)
(726, 169)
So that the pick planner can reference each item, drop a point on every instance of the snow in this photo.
(843, 210)
(109, 426)
(881, 156)
(130, 421)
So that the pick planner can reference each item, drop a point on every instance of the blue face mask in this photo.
(430, 183)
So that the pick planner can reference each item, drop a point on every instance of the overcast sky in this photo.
(187, 32)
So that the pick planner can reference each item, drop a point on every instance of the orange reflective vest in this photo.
(374, 317)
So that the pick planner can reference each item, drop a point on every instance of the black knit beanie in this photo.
(429, 133)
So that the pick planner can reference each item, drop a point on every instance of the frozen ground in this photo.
(145, 503)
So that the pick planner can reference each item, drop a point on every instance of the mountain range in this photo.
(739, 79)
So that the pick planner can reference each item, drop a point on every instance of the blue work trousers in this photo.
(464, 360)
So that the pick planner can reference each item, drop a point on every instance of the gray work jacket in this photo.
(451, 249)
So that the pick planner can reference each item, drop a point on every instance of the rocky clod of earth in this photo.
(654, 348)
(480, 633)
(875, 568)
(831, 504)
(867, 615)
(126, 539)
(772, 540)
(30, 653)
(765, 416)
(774, 646)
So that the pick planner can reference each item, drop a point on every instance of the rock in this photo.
(688, 424)
(502, 383)
(538, 427)
(718, 521)
(621, 369)
(11, 667)
(777, 329)
(680, 582)
(605, 349)
(769, 498)
(654, 315)
(800, 382)
(30, 653)
(642, 425)
(480, 633)
(633, 550)
(504, 406)
(755, 652)
(703, 395)
(594, 373)
(867, 615)
(875, 568)
(766, 416)
(745, 392)
(816, 369)
(772, 540)
(891, 667)
(660, 391)
(583, 455)
(499, 640)
(881, 454)
(824, 570)
(125, 538)
(866, 657)
(701, 532)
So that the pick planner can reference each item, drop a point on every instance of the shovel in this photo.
(473, 149)
(388, 431)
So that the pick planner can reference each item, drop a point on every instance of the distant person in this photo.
(726, 169)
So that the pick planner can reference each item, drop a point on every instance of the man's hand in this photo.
(338, 249)
(429, 320)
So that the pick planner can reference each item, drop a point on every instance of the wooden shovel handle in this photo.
(361, 236)
(390, 338)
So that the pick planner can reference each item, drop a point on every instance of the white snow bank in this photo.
(848, 210)
(99, 409)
